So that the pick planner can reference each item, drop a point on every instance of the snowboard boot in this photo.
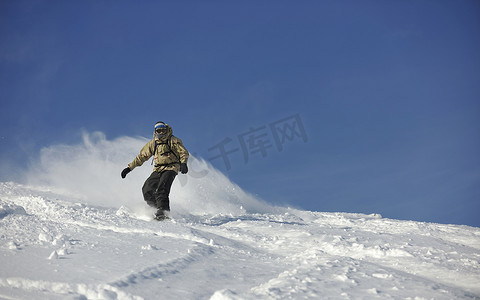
(161, 215)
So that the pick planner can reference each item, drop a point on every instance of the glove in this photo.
(183, 168)
(125, 172)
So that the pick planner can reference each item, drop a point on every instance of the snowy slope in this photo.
(52, 248)
(78, 231)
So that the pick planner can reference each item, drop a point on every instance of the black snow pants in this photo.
(156, 189)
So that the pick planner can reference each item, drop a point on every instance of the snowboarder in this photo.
(170, 156)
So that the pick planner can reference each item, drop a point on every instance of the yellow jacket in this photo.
(168, 153)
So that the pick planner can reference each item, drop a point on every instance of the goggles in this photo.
(160, 127)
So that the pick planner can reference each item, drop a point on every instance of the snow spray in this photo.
(89, 172)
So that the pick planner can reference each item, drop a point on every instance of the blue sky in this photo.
(388, 93)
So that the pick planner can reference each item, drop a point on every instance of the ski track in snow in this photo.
(54, 248)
